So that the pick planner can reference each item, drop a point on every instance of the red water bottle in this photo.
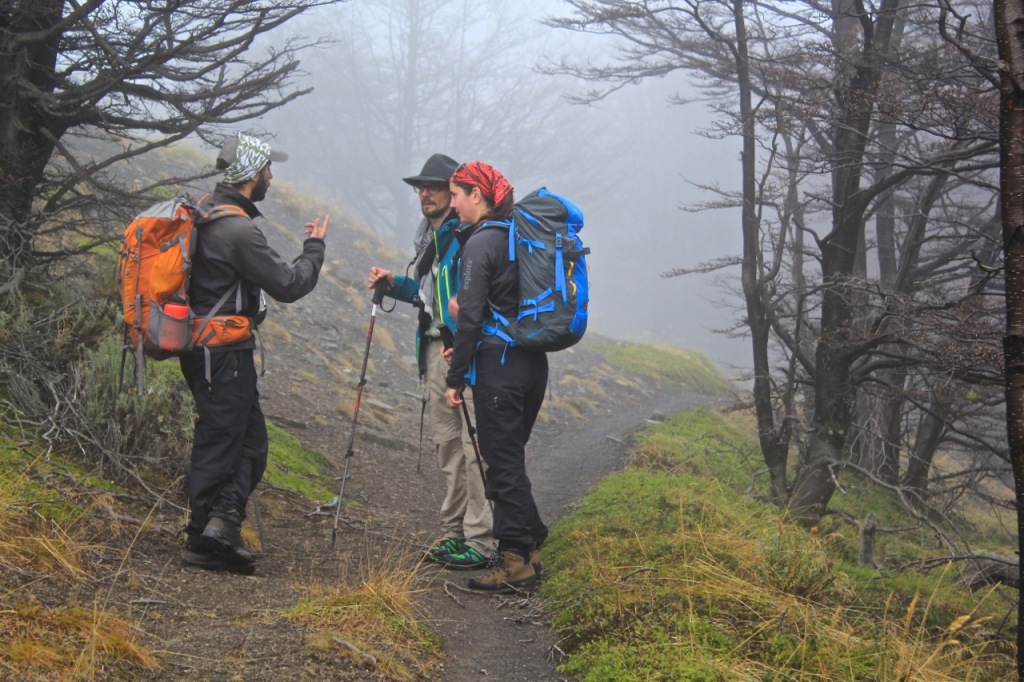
(174, 329)
(176, 309)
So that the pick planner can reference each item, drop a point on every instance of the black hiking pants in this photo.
(508, 398)
(229, 449)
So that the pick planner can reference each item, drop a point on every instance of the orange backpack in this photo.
(153, 274)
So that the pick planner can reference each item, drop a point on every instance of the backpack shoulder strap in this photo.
(496, 223)
(509, 225)
(208, 216)
(222, 210)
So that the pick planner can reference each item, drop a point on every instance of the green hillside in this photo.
(670, 571)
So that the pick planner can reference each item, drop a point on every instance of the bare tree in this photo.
(847, 113)
(408, 78)
(1009, 15)
(139, 73)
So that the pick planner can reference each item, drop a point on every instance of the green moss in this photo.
(700, 443)
(24, 464)
(292, 466)
(667, 365)
(671, 572)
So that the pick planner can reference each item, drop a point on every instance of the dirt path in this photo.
(505, 638)
(212, 626)
(209, 626)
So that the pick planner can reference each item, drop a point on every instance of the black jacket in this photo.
(490, 281)
(232, 248)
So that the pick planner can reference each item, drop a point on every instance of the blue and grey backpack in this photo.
(554, 294)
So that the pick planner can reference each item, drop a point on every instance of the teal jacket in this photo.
(431, 294)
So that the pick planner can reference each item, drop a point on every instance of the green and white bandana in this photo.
(250, 158)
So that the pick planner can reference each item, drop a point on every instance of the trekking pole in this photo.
(378, 297)
(423, 411)
(476, 448)
(423, 364)
(449, 341)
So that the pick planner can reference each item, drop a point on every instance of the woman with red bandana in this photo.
(510, 382)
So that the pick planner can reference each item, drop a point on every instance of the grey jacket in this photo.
(231, 249)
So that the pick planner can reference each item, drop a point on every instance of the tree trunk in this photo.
(877, 447)
(1010, 38)
(28, 68)
(774, 444)
(868, 532)
(929, 434)
(835, 396)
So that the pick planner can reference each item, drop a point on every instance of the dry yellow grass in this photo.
(38, 641)
(721, 592)
(374, 623)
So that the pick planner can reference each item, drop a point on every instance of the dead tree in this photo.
(141, 75)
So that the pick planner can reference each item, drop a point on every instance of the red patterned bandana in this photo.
(491, 182)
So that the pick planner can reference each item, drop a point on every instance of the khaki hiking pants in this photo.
(465, 512)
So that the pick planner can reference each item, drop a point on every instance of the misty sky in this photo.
(632, 175)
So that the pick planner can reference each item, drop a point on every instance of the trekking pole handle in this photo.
(379, 287)
(447, 338)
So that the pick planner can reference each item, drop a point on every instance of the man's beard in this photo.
(259, 190)
(436, 212)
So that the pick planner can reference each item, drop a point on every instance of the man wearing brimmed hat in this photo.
(466, 541)
(232, 266)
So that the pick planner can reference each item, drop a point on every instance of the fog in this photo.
(630, 161)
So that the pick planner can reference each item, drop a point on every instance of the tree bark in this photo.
(25, 122)
(877, 447)
(1010, 38)
(929, 434)
(835, 396)
(868, 532)
(773, 440)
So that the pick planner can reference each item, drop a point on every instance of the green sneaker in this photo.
(446, 547)
(467, 560)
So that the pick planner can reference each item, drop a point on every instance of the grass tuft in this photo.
(71, 643)
(44, 538)
(372, 625)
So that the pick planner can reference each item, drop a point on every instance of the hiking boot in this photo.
(224, 537)
(510, 571)
(468, 560)
(535, 562)
(446, 547)
(212, 561)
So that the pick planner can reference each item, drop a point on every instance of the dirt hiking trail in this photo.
(217, 626)
(224, 627)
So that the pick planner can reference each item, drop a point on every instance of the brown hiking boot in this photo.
(224, 537)
(535, 562)
(509, 572)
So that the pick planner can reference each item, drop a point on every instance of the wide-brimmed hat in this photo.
(244, 156)
(438, 168)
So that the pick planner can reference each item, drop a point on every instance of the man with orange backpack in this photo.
(231, 267)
